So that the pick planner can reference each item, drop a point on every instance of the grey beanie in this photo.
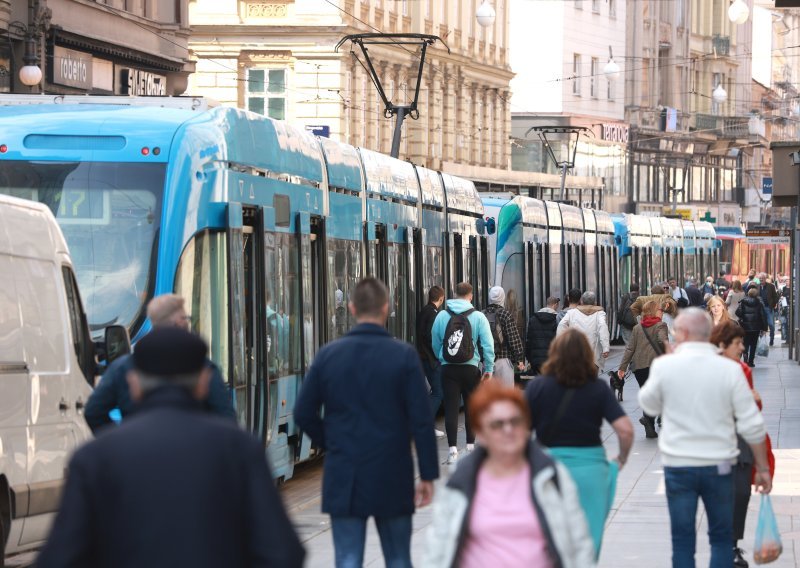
(497, 295)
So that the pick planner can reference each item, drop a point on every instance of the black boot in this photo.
(738, 558)
(649, 426)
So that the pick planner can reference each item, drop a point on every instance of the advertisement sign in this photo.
(138, 83)
(766, 185)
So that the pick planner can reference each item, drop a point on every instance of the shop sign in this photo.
(72, 68)
(615, 133)
(138, 83)
(319, 130)
(679, 213)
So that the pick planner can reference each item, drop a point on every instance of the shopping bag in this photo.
(762, 349)
(768, 546)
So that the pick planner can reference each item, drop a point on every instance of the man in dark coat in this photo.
(173, 485)
(541, 330)
(430, 362)
(694, 294)
(112, 392)
(375, 400)
(769, 297)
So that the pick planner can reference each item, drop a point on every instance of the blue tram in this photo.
(262, 227)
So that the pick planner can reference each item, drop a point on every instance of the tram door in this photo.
(249, 316)
(319, 285)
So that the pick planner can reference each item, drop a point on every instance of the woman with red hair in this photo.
(508, 503)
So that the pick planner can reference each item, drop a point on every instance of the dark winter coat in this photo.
(425, 319)
(375, 400)
(172, 486)
(769, 295)
(751, 314)
(542, 327)
(695, 296)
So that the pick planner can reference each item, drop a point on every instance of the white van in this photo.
(46, 368)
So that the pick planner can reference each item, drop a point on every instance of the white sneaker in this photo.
(439, 433)
(452, 457)
(470, 448)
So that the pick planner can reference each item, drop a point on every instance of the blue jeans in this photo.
(770, 314)
(434, 373)
(684, 486)
(350, 534)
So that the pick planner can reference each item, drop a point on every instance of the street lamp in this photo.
(738, 12)
(30, 74)
(485, 14)
(611, 69)
(567, 139)
(719, 95)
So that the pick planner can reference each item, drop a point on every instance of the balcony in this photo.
(721, 45)
(655, 119)
(748, 127)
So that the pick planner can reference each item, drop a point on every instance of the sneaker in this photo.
(439, 433)
(470, 448)
(738, 558)
(452, 457)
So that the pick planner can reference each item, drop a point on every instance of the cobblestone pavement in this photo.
(638, 532)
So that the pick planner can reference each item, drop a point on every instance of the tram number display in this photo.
(78, 206)
(769, 237)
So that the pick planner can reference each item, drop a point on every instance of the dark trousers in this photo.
(458, 381)
(433, 371)
(750, 344)
(641, 378)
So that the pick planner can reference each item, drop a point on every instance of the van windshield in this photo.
(110, 215)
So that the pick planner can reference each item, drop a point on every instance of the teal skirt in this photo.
(596, 478)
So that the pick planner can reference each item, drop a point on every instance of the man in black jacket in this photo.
(172, 486)
(430, 362)
(541, 330)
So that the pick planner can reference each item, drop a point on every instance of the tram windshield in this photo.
(110, 215)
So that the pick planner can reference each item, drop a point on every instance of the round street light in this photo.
(738, 12)
(719, 95)
(30, 75)
(485, 14)
(611, 69)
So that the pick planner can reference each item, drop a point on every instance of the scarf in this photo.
(650, 321)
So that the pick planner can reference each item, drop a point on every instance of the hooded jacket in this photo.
(555, 500)
(541, 330)
(592, 322)
(481, 334)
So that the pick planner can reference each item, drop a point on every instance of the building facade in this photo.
(560, 55)
(123, 47)
(279, 58)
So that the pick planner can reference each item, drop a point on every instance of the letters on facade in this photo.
(615, 133)
(138, 83)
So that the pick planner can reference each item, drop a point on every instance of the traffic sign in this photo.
(769, 236)
(766, 185)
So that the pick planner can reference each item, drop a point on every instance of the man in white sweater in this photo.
(704, 400)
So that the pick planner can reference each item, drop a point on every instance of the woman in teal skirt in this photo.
(568, 405)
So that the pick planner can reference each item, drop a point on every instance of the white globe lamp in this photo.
(611, 70)
(738, 12)
(485, 14)
(30, 75)
(719, 95)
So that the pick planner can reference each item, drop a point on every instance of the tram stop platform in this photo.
(638, 532)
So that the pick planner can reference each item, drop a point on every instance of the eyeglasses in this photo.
(501, 423)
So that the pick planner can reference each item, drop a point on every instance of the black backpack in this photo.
(625, 315)
(458, 347)
(497, 329)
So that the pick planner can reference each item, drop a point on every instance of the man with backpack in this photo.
(457, 332)
(508, 348)
(678, 294)
(625, 318)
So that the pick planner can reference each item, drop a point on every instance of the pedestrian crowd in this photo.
(532, 486)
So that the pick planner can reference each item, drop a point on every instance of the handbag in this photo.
(768, 546)
(762, 349)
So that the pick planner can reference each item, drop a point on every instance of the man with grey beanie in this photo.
(508, 348)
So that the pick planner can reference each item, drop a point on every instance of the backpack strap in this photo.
(653, 344)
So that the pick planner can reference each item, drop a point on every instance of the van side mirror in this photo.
(118, 342)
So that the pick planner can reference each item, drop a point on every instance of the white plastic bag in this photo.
(762, 349)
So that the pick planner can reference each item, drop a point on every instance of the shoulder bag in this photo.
(656, 347)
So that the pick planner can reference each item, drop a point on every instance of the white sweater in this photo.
(703, 399)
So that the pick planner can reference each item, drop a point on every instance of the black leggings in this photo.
(641, 378)
(458, 381)
(750, 344)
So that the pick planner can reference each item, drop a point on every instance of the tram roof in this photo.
(461, 194)
(344, 166)
(389, 177)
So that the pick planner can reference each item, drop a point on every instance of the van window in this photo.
(77, 319)
(41, 314)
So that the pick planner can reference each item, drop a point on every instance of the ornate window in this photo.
(266, 92)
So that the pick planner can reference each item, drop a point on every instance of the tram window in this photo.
(344, 271)
(201, 279)
(434, 268)
(398, 286)
(282, 208)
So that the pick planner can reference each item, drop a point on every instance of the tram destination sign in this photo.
(769, 236)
